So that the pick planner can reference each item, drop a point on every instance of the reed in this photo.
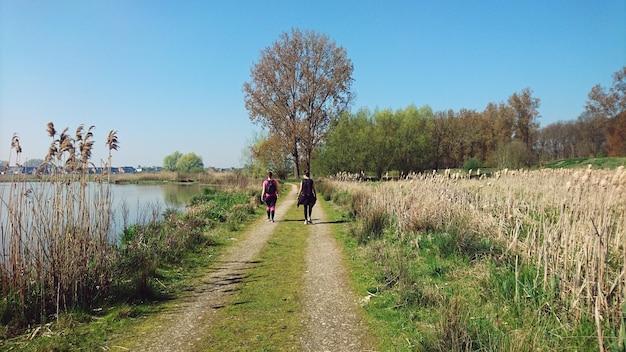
(570, 225)
(56, 250)
(58, 254)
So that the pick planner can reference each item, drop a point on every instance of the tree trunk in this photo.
(296, 160)
(308, 160)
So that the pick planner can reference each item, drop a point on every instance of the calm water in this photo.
(139, 202)
(131, 203)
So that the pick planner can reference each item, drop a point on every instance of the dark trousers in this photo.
(308, 209)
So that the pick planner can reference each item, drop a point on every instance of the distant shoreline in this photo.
(206, 177)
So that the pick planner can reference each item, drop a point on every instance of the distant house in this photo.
(126, 170)
(20, 170)
(222, 169)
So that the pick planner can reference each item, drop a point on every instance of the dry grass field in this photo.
(569, 225)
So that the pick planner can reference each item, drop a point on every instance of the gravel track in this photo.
(331, 318)
(331, 309)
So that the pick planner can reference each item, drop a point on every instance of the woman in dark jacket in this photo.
(269, 195)
(307, 196)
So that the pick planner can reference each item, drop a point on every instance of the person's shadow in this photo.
(342, 221)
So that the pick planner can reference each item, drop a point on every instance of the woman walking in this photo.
(269, 195)
(307, 196)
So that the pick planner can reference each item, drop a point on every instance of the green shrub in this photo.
(472, 164)
(342, 198)
(139, 250)
(370, 227)
(237, 215)
(324, 188)
(11, 310)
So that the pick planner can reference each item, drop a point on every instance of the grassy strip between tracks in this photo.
(266, 313)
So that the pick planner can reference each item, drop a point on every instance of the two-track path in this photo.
(331, 320)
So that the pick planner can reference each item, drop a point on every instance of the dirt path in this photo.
(331, 319)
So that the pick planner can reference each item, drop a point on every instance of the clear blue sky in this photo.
(168, 75)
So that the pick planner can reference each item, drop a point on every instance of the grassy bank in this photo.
(64, 283)
(165, 257)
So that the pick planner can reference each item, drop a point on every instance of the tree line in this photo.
(300, 91)
(504, 135)
(177, 161)
(418, 139)
(599, 131)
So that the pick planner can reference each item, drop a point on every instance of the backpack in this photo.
(307, 187)
(271, 187)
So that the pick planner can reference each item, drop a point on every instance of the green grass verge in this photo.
(266, 314)
(596, 163)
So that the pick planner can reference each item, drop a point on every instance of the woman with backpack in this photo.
(269, 195)
(307, 196)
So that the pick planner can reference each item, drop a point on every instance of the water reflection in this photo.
(131, 203)
(137, 203)
(175, 196)
(180, 195)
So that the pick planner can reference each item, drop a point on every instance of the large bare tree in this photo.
(299, 86)
(526, 115)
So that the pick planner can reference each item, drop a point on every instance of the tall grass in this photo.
(55, 245)
(58, 254)
(567, 226)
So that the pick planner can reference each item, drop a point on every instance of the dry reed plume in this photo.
(569, 224)
(56, 250)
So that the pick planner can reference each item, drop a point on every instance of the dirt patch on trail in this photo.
(331, 319)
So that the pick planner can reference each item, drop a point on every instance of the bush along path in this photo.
(282, 287)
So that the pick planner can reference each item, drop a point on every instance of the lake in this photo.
(141, 201)
(131, 203)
